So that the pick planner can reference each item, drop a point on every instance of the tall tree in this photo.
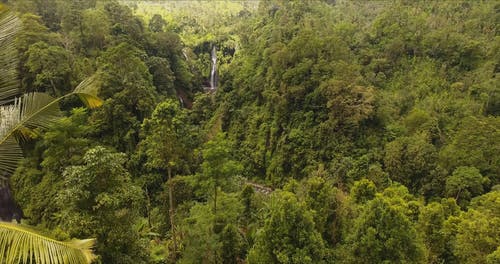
(100, 200)
(129, 97)
(210, 238)
(51, 66)
(474, 144)
(410, 160)
(383, 233)
(288, 235)
(431, 224)
(157, 23)
(166, 147)
(465, 183)
(219, 167)
(478, 229)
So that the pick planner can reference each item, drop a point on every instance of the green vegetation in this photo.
(20, 117)
(340, 131)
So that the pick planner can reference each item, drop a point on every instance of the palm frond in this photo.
(87, 90)
(9, 82)
(19, 244)
(10, 154)
(18, 120)
(36, 110)
(29, 111)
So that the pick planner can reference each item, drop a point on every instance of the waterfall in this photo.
(213, 73)
(181, 101)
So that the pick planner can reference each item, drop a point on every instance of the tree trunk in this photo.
(458, 194)
(54, 89)
(171, 211)
(215, 200)
(148, 207)
(215, 219)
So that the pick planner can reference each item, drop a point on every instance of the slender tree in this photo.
(219, 166)
(165, 147)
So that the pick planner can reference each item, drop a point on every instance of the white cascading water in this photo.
(181, 101)
(213, 73)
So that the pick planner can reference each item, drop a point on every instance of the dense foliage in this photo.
(341, 131)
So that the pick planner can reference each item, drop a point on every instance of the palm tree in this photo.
(20, 114)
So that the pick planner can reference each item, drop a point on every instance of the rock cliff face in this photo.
(9, 209)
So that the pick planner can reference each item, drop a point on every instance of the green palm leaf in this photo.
(87, 90)
(10, 154)
(9, 26)
(19, 244)
(35, 110)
